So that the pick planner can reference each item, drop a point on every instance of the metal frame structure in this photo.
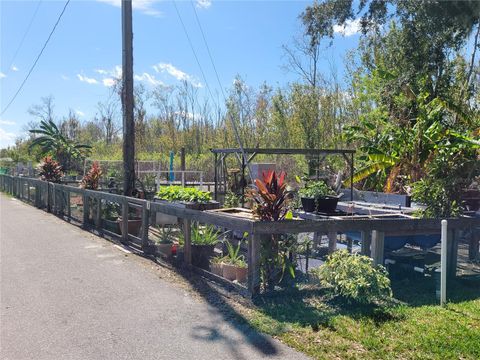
(252, 152)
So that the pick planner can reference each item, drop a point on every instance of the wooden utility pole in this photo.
(127, 100)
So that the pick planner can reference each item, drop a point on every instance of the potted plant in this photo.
(204, 240)
(234, 265)
(216, 265)
(91, 181)
(164, 242)
(134, 223)
(318, 196)
(110, 214)
(188, 197)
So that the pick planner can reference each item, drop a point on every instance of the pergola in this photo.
(221, 154)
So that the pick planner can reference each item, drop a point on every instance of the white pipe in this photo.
(443, 265)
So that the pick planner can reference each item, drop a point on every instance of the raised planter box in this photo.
(165, 219)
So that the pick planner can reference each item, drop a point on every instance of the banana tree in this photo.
(52, 142)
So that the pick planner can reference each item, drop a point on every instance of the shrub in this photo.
(354, 278)
(50, 170)
(180, 193)
(92, 177)
(440, 200)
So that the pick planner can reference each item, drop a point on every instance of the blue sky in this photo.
(84, 54)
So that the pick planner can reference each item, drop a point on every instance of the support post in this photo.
(443, 263)
(351, 176)
(366, 238)
(215, 176)
(124, 223)
(187, 246)
(332, 241)
(378, 247)
(98, 214)
(452, 245)
(145, 225)
(253, 260)
(127, 100)
(474, 245)
(86, 209)
(182, 159)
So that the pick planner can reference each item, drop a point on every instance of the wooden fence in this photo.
(85, 208)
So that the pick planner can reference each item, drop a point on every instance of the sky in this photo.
(83, 55)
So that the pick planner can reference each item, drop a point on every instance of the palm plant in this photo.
(53, 142)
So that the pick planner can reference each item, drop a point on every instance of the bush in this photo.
(354, 278)
(92, 178)
(50, 170)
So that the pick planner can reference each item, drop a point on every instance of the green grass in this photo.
(412, 327)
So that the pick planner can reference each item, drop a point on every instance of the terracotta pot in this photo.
(216, 268)
(134, 226)
(241, 273)
(229, 272)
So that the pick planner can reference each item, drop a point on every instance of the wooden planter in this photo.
(165, 219)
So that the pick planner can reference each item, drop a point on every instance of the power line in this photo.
(237, 135)
(36, 60)
(193, 50)
(25, 34)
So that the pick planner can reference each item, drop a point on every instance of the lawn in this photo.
(413, 327)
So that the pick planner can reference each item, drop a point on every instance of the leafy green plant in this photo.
(435, 196)
(186, 194)
(315, 189)
(233, 256)
(354, 278)
(111, 211)
(165, 235)
(92, 178)
(206, 235)
(50, 170)
(232, 200)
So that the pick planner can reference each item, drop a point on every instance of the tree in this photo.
(52, 142)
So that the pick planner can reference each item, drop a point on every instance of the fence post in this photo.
(366, 238)
(452, 245)
(98, 213)
(69, 206)
(253, 260)
(124, 223)
(443, 263)
(86, 209)
(145, 225)
(378, 246)
(332, 241)
(187, 246)
(474, 245)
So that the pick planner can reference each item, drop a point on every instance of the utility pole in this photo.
(127, 100)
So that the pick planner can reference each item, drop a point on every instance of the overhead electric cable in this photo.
(193, 49)
(25, 34)
(38, 58)
(239, 140)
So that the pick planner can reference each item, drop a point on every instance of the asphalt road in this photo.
(66, 294)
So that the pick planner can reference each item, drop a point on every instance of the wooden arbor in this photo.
(220, 177)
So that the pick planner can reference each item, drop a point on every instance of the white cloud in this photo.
(2, 75)
(148, 78)
(87, 79)
(108, 82)
(14, 68)
(79, 113)
(6, 138)
(7, 122)
(176, 73)
(350, 28)
(204, 4)
(65, 77)
(101, 71)
(144, 6)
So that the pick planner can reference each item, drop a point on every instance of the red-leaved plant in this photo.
(92, 177)
(50, 170)
(270, 198)
(269, 202)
